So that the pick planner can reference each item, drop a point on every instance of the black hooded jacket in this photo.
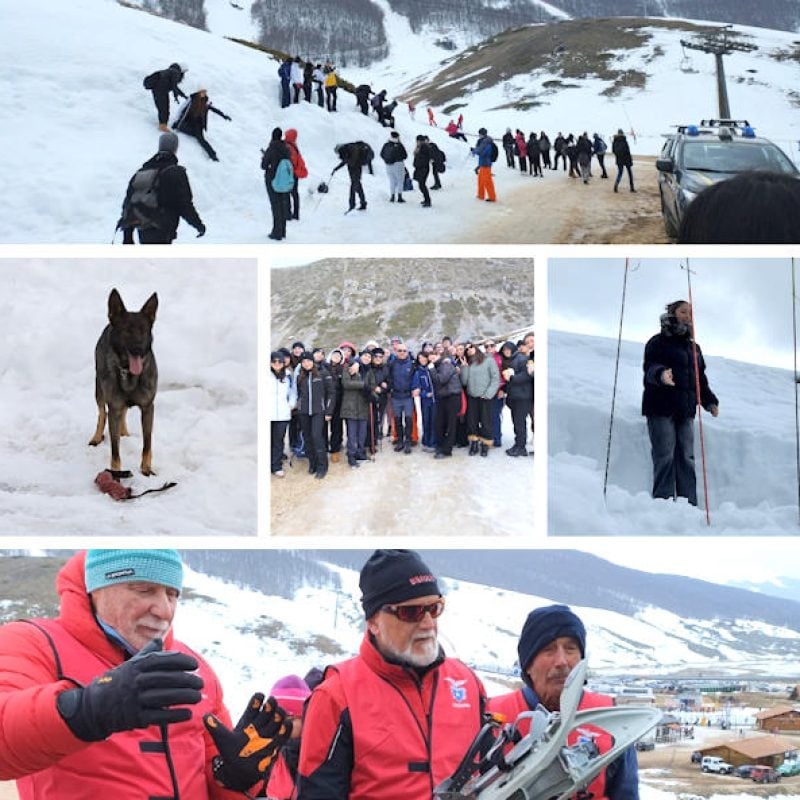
(672, 349)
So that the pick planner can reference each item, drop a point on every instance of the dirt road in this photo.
(563, 210)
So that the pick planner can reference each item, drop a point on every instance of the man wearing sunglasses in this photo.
(397, 719)
(552, 642)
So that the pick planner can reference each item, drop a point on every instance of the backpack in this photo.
(494, 152)
(438, 158)
(283, 179)
(150, 81)
(365, 154)
(141, 209)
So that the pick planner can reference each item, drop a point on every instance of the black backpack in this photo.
(151, 80)
(141, 209)
(365, 154)
(494, 152)
(438, 158)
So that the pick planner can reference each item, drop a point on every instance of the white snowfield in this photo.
(82, 123)
(204, 434)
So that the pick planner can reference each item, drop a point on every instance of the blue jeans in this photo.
(403, 409)
(356, 437)
(672, 448)
(497, 414)
(428, 432)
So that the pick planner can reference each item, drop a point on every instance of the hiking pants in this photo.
(403, 409)
(330, 97)
(205, 145)
(277, 438)
(356, 437)
(396, 173)
(519, 416)
(523, 164)
(314, 439)
(672, 449)
(421, 178)
(320, 100)
(479, 420)
(285, 94)
(279, 203)
(546, 158)
(509, 155)
(294, 202)
(536, 165)
(486, 184)
(161, 99)
(153, 236)
(601, 160)
(428, 424)
(446, 419)
(437, 184)
(497, 416)
(356, 188)
(620, 168)
(563, 157)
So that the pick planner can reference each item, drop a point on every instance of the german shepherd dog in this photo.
(126, 375)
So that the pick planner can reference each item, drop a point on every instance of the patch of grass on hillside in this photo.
(317, 642)
(629, 79)
(28, 587)
(411, 316)
(789, 54)
(450, 312)
(265, 628)
(794, 98)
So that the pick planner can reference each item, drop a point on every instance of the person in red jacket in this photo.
(290, 692)
(552, 642)
(300, 171)
(397, 719)
(104, 701)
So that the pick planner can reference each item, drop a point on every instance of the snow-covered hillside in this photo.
(80, 123)
(204, 436)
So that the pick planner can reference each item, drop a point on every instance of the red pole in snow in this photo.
(697, 394)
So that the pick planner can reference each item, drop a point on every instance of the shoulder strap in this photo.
(56, 658)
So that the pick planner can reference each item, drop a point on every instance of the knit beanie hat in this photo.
(394, 576)
(290, 692)
(168, 142)
(109, 567)
(543, 626)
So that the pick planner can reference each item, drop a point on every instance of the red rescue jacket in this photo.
(404, 735)
(38, 749)
(514, 703)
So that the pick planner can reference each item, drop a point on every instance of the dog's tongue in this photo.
(135, 364)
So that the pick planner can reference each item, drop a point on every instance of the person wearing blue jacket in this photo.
(483, 149)
(401, 371)
(422, 387)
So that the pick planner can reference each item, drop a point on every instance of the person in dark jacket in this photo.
(161, 83)
(285, 74)
(544, 149)
(276, 151)
(377, 104)
(193, 119)
(534, 156)
(559, 147)
(335, 367)
(362, 98)
(308, 76)
(422, 168)
(355, 156)
(388, 114)
(174, 196)
(438, 159)
(358, 382)
(380, 392)
(447, 388)
(314, 408)
(518, 375)
(583, 152)
(508, 147)
(622, 152)
(401, 371)
(670, 401)
(599, 148)
(422, 387)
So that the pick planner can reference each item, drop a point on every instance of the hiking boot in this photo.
(425, 205)
(615, 187)
(400, 199)
(484, 449)
(513, 451)
(407, 448)
(473, 448)
(362, 457)
(398, 447)
(335, 457)
(351, 460)
(321, 474)
(362, 207)
(391, 199)
(632, 189)
(443, 455)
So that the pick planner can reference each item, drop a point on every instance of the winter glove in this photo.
(201, 230)
(135, 694)
(247, 751)
(225, 116)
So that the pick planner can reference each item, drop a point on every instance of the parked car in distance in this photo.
(743, 770)
(762, 774)
(716, 764)
(789, 767)
(697, 156)
(640, 745)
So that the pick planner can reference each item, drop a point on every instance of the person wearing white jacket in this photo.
(296, 79)
(282, 400)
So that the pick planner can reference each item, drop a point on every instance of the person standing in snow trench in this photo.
(670, 402)
(193, 119)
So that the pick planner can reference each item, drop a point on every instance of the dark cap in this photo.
(306, 354)
(482, 131)
(378, 351)
(545, 625)
(394, 576)
(276, 355)
(298, 344)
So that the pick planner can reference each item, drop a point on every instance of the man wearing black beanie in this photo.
(276, 151)
(552, 642)
(397, 719)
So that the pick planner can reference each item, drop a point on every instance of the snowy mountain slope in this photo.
(71, 167)
(750, 449)
(204, 436)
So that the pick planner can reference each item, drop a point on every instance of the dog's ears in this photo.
(149, 308)
(115, 306)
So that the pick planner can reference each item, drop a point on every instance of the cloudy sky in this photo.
(743, 308)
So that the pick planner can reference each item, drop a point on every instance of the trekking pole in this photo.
(697, 393)
(322, 194)
(796, 417)
(371, 432)
(616, 374)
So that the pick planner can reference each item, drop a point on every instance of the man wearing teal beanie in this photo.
(105, 700)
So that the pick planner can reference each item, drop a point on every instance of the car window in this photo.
(736, 156)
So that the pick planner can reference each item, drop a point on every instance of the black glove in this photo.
(135, 694)
(247, 751)
(201, 230)
(225, 116)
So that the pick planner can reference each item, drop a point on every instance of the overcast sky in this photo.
(743, 308)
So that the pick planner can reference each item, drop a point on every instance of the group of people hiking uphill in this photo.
(159, 193)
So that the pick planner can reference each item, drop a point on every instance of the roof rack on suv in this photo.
(727, 123)
(723, 128)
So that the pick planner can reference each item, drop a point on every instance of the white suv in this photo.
(716, 764)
